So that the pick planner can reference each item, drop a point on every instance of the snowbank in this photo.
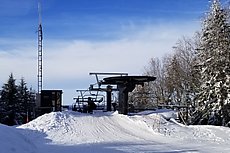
(111, 132)
(12, 141)
(77, 128)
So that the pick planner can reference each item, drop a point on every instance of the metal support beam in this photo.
(126, 84)
(109, 97)
(107, 73)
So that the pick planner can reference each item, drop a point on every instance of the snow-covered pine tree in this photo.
(214, 65)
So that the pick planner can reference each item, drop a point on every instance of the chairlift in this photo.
(82, 100)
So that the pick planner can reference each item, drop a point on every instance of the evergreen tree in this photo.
(31, 104)
(17, 102)
(9, 101)
(9, 93)
(214, 67)
(23, 99)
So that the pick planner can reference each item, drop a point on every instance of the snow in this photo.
(11, 141)
(103, 132)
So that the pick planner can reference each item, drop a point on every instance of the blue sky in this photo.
(92, 19)
(82, 36)
(105, 19)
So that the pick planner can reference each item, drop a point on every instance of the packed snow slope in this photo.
(11, 141)
(101, 132)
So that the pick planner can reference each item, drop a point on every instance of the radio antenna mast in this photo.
(40, 38)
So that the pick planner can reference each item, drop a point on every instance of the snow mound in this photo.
(164, 123)
(112, 132)
(77, 128)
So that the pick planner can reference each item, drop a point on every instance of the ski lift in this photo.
(85, 99)
(100, 86)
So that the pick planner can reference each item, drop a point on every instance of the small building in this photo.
(50, 101)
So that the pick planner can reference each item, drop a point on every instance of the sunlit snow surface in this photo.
(105, 132)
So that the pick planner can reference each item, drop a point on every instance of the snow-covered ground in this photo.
(105, 132)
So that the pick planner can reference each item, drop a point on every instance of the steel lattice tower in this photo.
(40, 37)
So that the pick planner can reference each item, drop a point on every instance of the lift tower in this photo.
(40, 37)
